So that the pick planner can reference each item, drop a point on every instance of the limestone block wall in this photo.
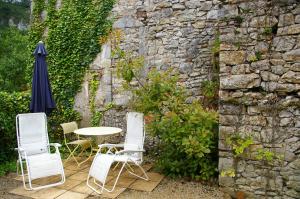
(260, 97)
(259, 77)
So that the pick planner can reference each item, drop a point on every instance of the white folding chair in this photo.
(132, 154)
(78, 143)
(34, 150)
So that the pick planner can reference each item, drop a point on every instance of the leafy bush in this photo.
(10, 105)
(13, 56)
(187, 132)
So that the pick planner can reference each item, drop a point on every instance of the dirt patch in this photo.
(6, 184)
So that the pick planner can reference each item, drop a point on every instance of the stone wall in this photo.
(259, 77)
(259, 96)
(168, 33)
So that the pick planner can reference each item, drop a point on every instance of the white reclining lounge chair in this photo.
(34, 150)
(132, 153)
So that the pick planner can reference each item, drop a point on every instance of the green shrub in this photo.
(11, 104)
(6, 167)
(13, 55)
(189, 141)
(187, 132)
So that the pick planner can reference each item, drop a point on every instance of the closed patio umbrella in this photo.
(41, 98)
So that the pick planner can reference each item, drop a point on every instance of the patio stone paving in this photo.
(75, 186)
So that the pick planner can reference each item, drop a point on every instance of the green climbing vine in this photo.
(71, 34)
(96, 115)
(71, 39)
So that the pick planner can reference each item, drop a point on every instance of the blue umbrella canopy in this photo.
(41, 98)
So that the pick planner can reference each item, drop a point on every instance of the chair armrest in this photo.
(129, 151)
(56, 145)
(109, 146)
(21, 151)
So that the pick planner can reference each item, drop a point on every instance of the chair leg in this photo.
(72, 154)
(90, 155)
(144, 173)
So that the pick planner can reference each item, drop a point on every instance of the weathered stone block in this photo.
(289, 30)
(226, 181)
(278, 69)
(178, 6)
(285, 121)
(297, 19)
(286, 20)
(274, 86)
(228, 120)
(255, 120)
(229, 109)
(295, 67)
(261, 65)
(240, 69)
(263, 21)
(240, 81)
(277, 62)
(268, 76)
(215, 14)
(283, 43)
(293, 55)
(232, 57)
(291, 77)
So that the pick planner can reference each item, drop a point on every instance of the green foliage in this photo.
(98, 115)
(93, 86)
(256, 57)
(14, 10)
(229, 173)
(267, 31)
(6, 167)
(187, 131)
(268, 156)
(239, 144)
(216, 45)
(72, 44)
(238, 20)
(210, 91)
(11, 104)
(189, 140)
(13, 55)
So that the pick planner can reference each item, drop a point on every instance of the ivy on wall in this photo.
(71, 38)
(71, 34)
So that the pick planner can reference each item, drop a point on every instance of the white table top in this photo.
(98, 131)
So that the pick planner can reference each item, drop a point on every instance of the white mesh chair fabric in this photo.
(132, 152)
(99, 170)
(33, 136)
(34, 150)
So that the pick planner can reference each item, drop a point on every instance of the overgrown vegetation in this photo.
(187, 132)
(10, 105)
(16, 11)
(13, 55)
(72, 43)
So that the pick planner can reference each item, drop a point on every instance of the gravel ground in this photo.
(168, 188)
(175, 189)
(6, 184)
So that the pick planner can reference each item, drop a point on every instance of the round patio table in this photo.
(98, 131)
